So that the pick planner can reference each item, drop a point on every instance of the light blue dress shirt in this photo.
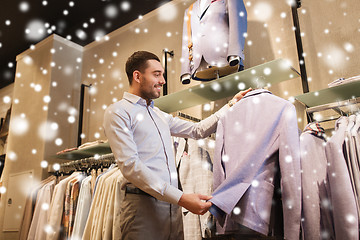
(140, 138)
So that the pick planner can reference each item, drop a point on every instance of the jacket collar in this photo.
(315, 129)
(136, 99)
(256, 92)
(341, 122)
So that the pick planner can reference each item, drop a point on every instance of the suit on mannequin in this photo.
(215, 34)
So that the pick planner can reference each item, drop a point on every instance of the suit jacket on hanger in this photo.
(316, 206)
(342, 195)
(255, 139)
(217, 32)
(351, 160)
(195, 173)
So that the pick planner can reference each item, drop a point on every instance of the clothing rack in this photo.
(336, 106)
(183, 115)
(87, 164)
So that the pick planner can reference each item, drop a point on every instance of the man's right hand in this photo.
(194, 203)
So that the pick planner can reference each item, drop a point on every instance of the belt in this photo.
(135, 190)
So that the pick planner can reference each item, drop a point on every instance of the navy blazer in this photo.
(255, 138)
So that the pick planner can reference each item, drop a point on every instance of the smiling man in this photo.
(139, 135)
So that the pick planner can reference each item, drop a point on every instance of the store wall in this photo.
(331, 33)
(5, 94)
(46, 88)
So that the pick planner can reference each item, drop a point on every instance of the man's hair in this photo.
(138, 61)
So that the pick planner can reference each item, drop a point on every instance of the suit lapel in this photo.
(202, 11)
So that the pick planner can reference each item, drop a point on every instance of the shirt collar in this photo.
(136, 99)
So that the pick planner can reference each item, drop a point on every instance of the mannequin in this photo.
(213, 36)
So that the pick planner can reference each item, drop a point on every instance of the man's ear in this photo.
(136, 76)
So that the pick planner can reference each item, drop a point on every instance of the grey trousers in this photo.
(145, 218)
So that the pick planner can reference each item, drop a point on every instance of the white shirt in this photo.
(140, 138)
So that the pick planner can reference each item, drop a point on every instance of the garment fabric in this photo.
(217, 32)
(250, 148)
(66, 215)
(82, 209)
(355, 135)
(317, 220)
(30, 207)
(119, 196)
(140, 138)
(41, 213)
(342, 194)
(135, 223)
(110, 208)
(57, 208)
(352, 161)
(90, 226)
(104, 206)
(195, 173)
(74, 197)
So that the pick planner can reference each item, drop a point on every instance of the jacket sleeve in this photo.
(237, 28)
(202, 129)
(289, 161)
(310, 191)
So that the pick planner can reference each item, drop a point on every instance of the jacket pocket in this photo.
(254, 208)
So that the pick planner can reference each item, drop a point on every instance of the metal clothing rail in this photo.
(87, 163)
(183, 115)
(333, 105)
(336, 106)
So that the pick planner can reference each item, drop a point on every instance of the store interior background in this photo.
(330, 35)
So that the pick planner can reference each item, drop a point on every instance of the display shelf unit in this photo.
(100, 149)
(256, 77)
(259, 76)
(330, 95)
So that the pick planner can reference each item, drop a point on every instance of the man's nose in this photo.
(162, 80)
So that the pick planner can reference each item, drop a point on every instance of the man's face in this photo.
(151, 80)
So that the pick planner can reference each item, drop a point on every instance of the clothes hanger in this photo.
(356, 128)
(351, 117)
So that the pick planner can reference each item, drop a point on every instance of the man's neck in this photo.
(132, 91)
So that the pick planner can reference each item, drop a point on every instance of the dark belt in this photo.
(135, 190)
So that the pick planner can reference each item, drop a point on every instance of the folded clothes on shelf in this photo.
(91, 144)
(66, 150)
(341, 81)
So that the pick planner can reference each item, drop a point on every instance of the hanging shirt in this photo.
(140, 138)
(82, 209)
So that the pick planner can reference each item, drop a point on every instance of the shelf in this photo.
(256, 77)
(331, 95)
(259, 76)
(100, 149)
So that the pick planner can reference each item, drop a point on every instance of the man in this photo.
(139, 135)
